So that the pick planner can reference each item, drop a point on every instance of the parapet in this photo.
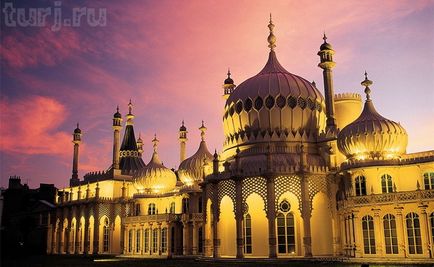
(348, 96)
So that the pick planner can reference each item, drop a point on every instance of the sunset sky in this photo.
(171, 57)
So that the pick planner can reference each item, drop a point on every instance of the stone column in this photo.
(400, 229)
(67, 237)
(169, 240)
(358, 235)
(379, 235)
(151, 239)
(215, 211)
(96, 231)
(271, 216)
(239, 217)
(424, 226)
(185, 238)
(125, 241)
(159, 238)
(195, 238)
(86, 249)
(306, 215)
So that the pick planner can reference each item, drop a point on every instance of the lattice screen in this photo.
(255, 185)
(287, 183)
(226, 188)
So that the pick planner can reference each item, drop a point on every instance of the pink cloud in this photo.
(30, 126)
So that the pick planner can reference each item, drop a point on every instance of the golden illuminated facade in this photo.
(300, 175)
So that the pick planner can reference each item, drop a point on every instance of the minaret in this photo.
(228, 86)
(140, 145)
(326, 56)
(76, 139)
(182, 142)
(117, 126)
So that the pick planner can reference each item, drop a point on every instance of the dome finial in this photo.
(117, 108)
(366, 82)
(271, 38)
(325, 38)
(229, 72)
(155, 143)
(202, 130)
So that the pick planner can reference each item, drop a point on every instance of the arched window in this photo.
(368, 234)
(185, 205)
(164, 240)
(138, 243)
(137, 210)
(130, 241)
(151, 209)
(285, 229)
(428, 180)
(146, 240)
(247, 234)
(360, 185)
(386, 183)
(172, 208)
(413, 233)
(106, 235)
(390, 236)
(154, 240)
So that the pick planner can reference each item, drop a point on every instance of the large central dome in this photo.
(274, 105)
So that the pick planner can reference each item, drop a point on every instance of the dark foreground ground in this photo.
(108, 261)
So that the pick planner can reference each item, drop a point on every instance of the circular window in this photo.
(284, 206)
(248, 104)
(258, 103)
(280, 101)
(292, 102)
(239, 107)
(269, 102)
(301, 103)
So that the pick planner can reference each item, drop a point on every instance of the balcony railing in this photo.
(166, 217)
(387, 198)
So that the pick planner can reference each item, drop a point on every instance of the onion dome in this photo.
(325, 45)
(274, 105)
(371, 136)
(117, 114)
(77, 130)
(155, 178)
(191, 169)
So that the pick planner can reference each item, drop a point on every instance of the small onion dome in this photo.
(155, 178)
(77, 130)
(229, 79)
(325, 45)
(182, 128)
(191, 169)
(117, 115)
(371, 136)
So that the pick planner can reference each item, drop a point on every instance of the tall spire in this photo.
(182, 142)
(271, 38)
(130, 115)
(366, 82)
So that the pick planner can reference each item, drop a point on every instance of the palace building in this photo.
(302, 173)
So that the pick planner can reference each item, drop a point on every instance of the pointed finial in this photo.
(182, 122)
(78, 125)
(117, 108)
(314, 84)
(130, 107)
(155, 143)
(215, 154)
(324, 37)
(366, 82)
(202, 130)
(271, 38)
